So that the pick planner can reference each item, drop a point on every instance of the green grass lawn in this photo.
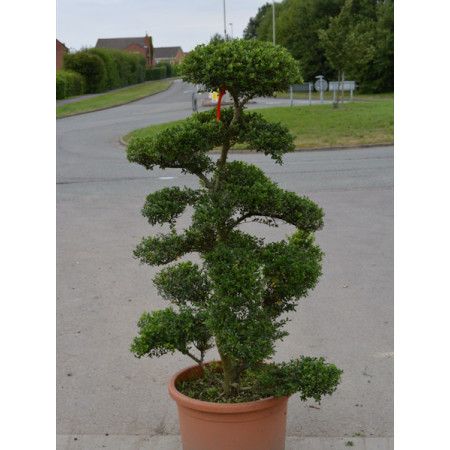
(113, 98)
(358, 123)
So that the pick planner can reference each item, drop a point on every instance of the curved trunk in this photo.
(231, 373)
(230, 367)
(226, 145)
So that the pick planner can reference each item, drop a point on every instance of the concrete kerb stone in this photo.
(297, 150)
(112, 106)
(173, 442)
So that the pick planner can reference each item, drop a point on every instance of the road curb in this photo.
(297, 150)
(113, 106)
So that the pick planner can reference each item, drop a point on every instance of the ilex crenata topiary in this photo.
(238, 297)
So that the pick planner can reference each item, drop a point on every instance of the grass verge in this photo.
(112, 98)
(322, 125)
(328, 95)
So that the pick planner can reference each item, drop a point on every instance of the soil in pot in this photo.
(254, 425)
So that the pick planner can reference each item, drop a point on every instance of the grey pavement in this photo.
(161, 442)
(106, 398)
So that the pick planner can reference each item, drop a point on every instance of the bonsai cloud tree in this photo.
(238, 297)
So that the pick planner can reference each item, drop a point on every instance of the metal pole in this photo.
(273, 2)
(310, 89)
(321, 89)
(292, 96)
(224, 22)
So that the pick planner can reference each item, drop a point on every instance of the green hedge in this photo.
(172, 69)
(156, 73)
(89, 65)
(162, 70)
(122, 68)
(106, 69)
(69, 84)
(175, 70)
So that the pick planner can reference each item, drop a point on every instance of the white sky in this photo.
(184, 23)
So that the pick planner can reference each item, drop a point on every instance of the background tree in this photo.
(299, 21)
(378, 74)
(347, 44)
(297, 30)
(251, 31)
(217, 39)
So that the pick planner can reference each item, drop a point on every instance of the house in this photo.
(61, 50)
(137, 44)
(172, 55)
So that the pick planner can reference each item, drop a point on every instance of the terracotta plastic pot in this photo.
(259, 425)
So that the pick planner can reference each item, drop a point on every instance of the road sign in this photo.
(348, 85)
(321, 85)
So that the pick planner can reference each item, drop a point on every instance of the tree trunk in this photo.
(231, 373)
(226, 147)
(230, 367)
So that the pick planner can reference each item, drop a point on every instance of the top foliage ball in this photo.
(247, 69)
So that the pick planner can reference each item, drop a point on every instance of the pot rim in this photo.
(230, 408)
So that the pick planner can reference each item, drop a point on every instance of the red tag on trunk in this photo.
(222, 92)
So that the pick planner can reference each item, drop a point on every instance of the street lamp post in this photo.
(224, 21)
(273, 3)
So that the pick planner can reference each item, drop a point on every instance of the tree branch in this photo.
(203, 177)
(202, 365)
(255, 214)
(198, 361)
(245, 101)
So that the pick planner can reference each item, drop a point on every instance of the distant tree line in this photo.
(312, 32)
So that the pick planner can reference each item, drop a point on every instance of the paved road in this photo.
(101, 290)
